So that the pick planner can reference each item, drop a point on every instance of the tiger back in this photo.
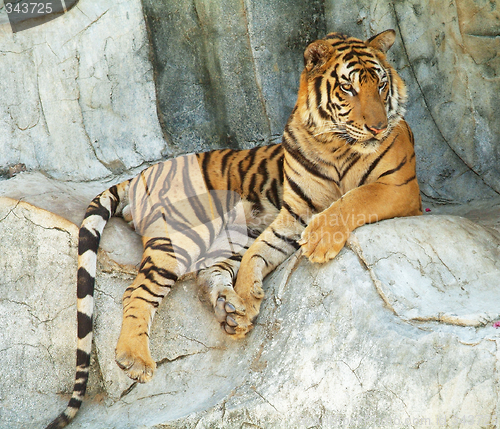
(347, 158)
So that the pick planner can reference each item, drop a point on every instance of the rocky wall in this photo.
(111, 86)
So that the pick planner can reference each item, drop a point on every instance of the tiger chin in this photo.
(347, 158)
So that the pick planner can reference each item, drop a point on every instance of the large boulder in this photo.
(397, 330)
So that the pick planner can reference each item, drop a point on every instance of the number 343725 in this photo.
(29, 8)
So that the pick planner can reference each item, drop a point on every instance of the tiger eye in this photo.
(347, 87)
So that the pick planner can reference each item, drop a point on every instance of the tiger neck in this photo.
(303, 135)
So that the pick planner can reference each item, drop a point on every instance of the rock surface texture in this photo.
(396, 332)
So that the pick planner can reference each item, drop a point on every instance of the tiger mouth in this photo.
(365, 141)
(365, 145)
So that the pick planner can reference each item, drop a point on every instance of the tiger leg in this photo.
(216, 283)
(271, 248)
(159, 270)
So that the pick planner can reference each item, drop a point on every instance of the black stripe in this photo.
(411, 179)
(349, 55)
(82, 358)
(74, 403)
(166, 274)
(153, 303)
(114, 201)
(287, 240)
(300, 193)
(81, 374)
(394, 170)
(298, 156)
(251, 233)
(278, 149)
(224, 266)
(150, 275)
(353, 158)
(165, 244)
(87, 240)
(345, 113)
(146, 289)
(96, 208)
(274, 247)
(84, 324)
(273, 195)
(317, 88)
(287, 207)
(80, 388)
(60, 422)
(263, 173)
(205, 169)
(225, 159)
(197, 239)
(196, 204)
(261, 257)
(376, 161)
(85, 283)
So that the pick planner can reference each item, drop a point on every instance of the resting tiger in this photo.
(346, 158)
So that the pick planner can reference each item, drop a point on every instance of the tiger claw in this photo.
(220, 310)
(228, 329)
(226, 313)
(231, 322)
(231, 312)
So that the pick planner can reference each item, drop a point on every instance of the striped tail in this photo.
(102, 207)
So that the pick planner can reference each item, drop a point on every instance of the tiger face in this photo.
(349, 90)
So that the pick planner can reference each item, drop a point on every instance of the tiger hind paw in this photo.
(233, 315)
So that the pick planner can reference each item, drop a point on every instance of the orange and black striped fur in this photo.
(347, 158)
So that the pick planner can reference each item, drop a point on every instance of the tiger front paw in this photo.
(322, 241)
(135, 360)
(237, 314)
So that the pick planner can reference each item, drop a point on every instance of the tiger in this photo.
(346, 159)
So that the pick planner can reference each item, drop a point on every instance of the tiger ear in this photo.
(382, 41)
(317, 54)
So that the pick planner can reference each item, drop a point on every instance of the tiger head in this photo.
(349, 90)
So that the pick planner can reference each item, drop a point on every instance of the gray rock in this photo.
(396, 331)
(97, 83)
(227, 72)
(78, 98)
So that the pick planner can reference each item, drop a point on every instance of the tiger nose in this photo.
(377, 129)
